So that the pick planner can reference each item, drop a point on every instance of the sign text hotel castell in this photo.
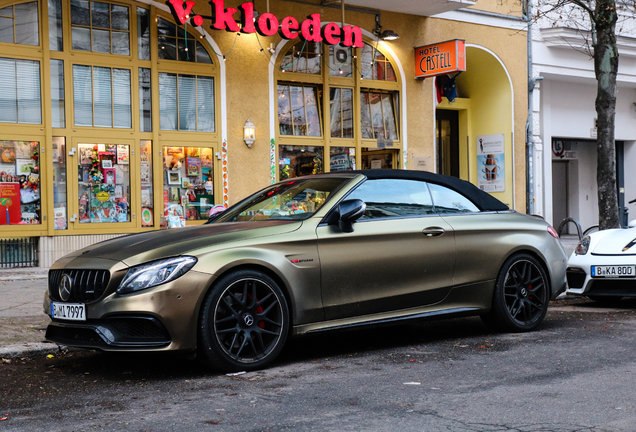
(268, 25)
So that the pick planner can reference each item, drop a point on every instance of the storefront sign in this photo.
(10, 212)
(490, 163)
(268, 25)
(440, 58)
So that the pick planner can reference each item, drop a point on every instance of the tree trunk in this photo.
(606, 68)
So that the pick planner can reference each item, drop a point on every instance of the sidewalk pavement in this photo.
(23, 322)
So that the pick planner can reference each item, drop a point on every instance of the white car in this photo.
(603, 266)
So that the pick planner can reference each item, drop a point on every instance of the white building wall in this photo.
(566, 109)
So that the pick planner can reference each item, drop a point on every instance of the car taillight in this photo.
(553, 232)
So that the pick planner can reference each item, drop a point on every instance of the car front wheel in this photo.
(244, 322)
(521, 295)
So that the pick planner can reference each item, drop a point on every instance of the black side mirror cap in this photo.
(350, 211)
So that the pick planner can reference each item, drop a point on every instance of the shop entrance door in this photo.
(560, 193)
(447, 137)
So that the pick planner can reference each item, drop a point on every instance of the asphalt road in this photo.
(575, 374)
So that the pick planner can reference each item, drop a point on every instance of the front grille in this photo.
(576, 278)
(139, 328)
(112, 333)
(74, 336)
(87, 285)
(623, 288)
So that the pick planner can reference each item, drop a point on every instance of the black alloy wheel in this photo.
(521, 296)
(244, 323)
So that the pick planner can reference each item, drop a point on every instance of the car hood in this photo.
(612, 242)
(143, 247)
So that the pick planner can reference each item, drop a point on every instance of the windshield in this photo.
(292, 200)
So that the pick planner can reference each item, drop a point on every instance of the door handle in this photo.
(433, 231)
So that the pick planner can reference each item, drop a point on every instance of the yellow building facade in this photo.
(116, 117)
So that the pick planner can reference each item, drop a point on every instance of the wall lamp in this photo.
(249, 133)
(386, 35)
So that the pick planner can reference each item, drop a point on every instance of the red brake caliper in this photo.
(259, 309)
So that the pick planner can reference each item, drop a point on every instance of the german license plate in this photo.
(68, 311)
(614, 271)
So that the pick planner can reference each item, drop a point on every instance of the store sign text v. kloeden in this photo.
(268, 25)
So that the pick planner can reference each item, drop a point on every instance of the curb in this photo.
(28, 350)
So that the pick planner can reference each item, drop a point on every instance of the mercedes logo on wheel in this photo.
(249, 320)
(66, 284)
(524, 292)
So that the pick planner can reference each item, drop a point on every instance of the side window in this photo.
(448, 201)
(392, 198)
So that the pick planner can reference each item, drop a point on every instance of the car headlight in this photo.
(583, 246)
(155, 273)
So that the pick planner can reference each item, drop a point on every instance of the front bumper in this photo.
(162, 318)
(581, 283)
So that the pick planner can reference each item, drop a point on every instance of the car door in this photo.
(475, 235)
(400, 254)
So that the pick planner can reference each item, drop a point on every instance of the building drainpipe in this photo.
(529, 123)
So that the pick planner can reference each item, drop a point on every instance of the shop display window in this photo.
(21, 98)
(342, 158)
(299, 110)
(176, 44)
(297, 161)
(378, 117)
(375, 65)
(20, 24)
(188, 185)
(20, 183)
(104, 183)
(373, 158)
(147, 201)
(100, 27)
(60, 203)
(341, 110)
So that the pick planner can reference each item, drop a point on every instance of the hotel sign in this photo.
(267, 24)
(440, 58)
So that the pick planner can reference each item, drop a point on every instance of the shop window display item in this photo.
(19, 183)
(188, 181)
(104, 184)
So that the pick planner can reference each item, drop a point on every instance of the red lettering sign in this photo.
(268, 25)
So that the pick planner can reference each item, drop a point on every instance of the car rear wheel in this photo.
(521, 295)
(244, 322)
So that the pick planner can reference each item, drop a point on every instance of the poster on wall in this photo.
(122, 155)
(490, 163)
(10, 211)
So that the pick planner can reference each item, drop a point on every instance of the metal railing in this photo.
(19, 252)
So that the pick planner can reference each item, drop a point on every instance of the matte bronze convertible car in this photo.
(306, 255)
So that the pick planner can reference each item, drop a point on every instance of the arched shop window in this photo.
(187, 104)
(102, 72)
(337, 109)
(20, 24)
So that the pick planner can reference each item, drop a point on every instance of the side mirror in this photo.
(350, 211)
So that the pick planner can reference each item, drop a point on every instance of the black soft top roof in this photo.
(483, 200)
